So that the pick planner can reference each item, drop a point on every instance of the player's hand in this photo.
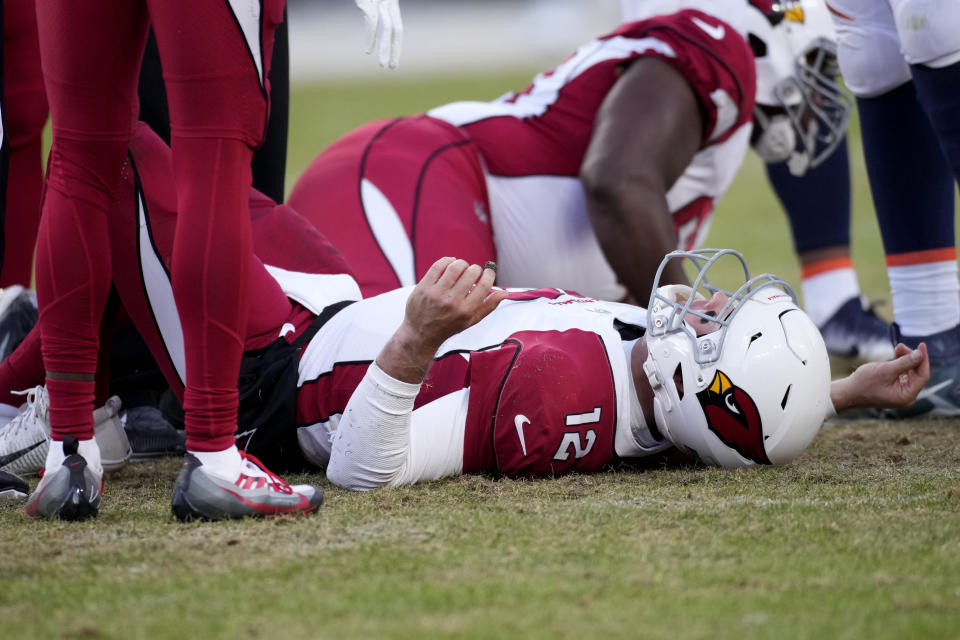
(891, 384)
(384, 29)
(451, 297)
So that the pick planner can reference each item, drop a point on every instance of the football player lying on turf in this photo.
(597, 169)
(567, 383)
(451, 376)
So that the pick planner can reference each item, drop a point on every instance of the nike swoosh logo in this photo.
(518, 421)
(16, 455)
(714, 31)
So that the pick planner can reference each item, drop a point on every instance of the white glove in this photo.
(384, 29)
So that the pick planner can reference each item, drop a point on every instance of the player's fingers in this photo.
(386, 36)
(396, 41)
(436, 270)
(451, 274)
(371, 19)
(490, 303)
(906, 362)
(468, 280)
(489, 275)
(484, 284)
(901, 350)
(371, 37)
(390, 58)
(924, 369)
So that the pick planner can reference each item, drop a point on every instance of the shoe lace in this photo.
(37, 404)
(276, 482)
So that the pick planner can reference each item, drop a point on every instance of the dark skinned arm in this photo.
(647, 131)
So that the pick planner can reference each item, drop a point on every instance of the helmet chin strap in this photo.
(778, 142)
(798, 163)
(802, 160)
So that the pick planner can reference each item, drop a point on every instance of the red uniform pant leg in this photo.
(394, 196)
(143, 221)
(90, 53)
(215, 57)
(25, 112)
(143, 226)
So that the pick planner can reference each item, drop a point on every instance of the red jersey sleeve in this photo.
(715, 60)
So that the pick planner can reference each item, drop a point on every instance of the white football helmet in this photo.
(802, 111)
(753, 392)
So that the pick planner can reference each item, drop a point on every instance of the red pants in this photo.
(142, 230)
(143, 221)
(25, 113)
(216, 56)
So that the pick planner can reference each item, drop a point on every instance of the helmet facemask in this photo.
(802, 111)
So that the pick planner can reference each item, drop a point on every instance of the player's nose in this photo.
(717, 301)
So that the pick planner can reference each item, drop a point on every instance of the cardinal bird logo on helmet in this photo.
(733, 417)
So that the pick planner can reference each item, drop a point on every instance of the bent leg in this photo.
(215, 67)
(144, 222)
(25, 113)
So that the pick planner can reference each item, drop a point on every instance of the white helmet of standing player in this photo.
(756, 390)
(802, 111)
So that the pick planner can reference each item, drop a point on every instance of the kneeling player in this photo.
(587, 177)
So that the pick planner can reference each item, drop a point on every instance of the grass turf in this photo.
(860, 538)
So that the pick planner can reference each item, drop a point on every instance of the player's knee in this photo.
(86, 169)
(929, 31)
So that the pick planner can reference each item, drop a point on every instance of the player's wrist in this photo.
(840, 395)
(416, 341)
(406, 356)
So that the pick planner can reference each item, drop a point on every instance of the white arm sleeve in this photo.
(381, 441)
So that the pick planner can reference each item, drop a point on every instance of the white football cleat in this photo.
(25, 440)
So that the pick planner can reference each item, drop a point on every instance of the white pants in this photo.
(878, 39)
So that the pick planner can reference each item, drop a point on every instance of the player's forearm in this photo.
(371, 447)
(840, 395)
(635, 230)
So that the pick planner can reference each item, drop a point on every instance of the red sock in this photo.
(71, 408)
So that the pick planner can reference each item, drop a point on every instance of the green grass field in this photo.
(860, 538)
